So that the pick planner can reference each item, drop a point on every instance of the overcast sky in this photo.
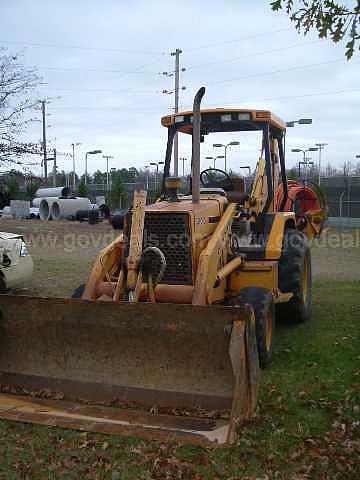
(101, 65)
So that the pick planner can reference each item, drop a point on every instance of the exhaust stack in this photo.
(195, 159)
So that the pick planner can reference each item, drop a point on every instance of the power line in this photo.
(81, 47)
(274, 72)
(75, 69)
(250, 55)
(291, 97)
(314, 94)
(103, 70)
(243, 77)
(237, 40)
(122, 108)
(140, 110)
(146, 52)
(92, 90)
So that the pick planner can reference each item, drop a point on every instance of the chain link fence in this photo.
(152, 186)
(343, 199)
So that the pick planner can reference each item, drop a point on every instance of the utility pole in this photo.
(176, 54)
(73, 157)
(321, 147)
(43, 110)
(74, 166)
(54, 168)
(53, 159)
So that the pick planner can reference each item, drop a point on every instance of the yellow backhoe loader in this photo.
(178, 314)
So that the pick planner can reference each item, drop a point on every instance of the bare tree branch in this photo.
(16, 85)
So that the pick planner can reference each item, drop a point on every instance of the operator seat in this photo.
(238, 194)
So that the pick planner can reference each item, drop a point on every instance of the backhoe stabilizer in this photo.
(184, 372)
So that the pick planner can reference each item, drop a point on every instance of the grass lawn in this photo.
(307, 425)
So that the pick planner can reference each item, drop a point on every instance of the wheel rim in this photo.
(305, 280)
(269, 330)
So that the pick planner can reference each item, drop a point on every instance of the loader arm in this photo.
(136, 238)
(105, 264)
(215, 252)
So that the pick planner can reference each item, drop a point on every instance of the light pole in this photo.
(247, 168)
(309, 164)
(298, 150)
(156, 164)
(301, 121)
(321, 147)
(183, 159)
(147, 176)
(107, 171)
(73, 156)
(215, 158)
(112, 171)
(231, 144)
(306, 164)
(91, 152)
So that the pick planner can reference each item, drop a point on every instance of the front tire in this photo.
(260, 299)
(295, 277)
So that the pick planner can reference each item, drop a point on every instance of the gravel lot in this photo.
(63, 252)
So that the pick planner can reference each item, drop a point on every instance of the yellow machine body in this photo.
(173, 344)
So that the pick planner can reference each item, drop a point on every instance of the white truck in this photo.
(16, 265)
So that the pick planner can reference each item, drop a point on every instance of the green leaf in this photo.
(350, 49)
(276, 5)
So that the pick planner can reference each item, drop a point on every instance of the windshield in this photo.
(233, 152)
(236, 151)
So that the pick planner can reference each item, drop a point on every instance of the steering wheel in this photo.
(215, 178)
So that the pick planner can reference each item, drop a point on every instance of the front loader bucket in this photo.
(171, 368)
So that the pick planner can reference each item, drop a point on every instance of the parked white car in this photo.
(16, 265)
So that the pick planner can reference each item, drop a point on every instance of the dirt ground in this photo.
(336, 255)
(63, 253)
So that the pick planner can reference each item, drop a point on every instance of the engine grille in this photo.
(171, 233)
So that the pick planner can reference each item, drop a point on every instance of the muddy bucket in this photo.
(171, 368)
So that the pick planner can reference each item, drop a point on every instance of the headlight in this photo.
(23, 250)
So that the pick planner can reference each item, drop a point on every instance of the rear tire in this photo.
(78, 292)
(295, 278)
(260, 299)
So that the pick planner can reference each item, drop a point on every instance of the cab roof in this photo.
(223, 119)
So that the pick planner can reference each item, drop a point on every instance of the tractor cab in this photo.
(270, 167)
